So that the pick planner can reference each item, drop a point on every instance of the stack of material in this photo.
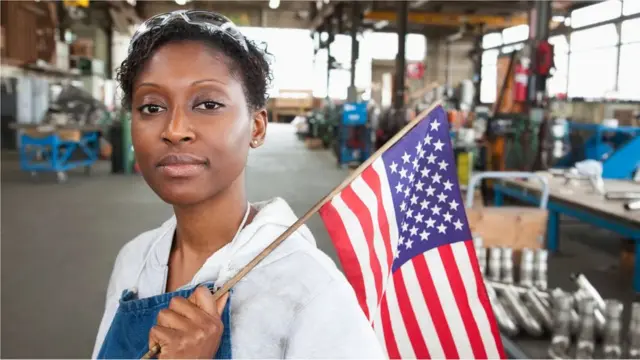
(580, 324)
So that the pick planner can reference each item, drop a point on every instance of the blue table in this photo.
(579, 202)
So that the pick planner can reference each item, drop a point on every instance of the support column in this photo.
(355, 21)
(539, 18)
(402, 20)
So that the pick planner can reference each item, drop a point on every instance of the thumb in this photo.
(222, 302)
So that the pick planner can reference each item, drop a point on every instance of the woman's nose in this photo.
(178, 129)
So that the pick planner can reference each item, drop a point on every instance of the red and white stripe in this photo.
(434, 306)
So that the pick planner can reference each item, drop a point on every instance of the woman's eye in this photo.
(150, 109)
(208, 105)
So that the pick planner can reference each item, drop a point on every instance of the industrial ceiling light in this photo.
(181, 2)
(273, 4)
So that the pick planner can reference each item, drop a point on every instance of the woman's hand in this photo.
(189, 328)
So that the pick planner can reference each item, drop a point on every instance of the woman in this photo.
(197, 90)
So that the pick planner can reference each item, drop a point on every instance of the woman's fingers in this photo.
(174, 318)
(203, 299)
(220, 303)
(163, 336)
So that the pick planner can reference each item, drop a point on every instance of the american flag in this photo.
(403, 240)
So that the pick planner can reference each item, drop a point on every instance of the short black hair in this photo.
(251, 65)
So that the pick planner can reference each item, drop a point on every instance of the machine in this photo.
(618, 148)
(354, 134)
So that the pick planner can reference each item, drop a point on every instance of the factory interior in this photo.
(543, 105)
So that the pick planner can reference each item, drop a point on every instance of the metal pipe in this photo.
(598, 314)
(561, 338)
(586, 337)
(540, 272)
(633, 205)
(556, 295)
(507, 265)
(517, 288)
(633, 335)
(494, 263)
(521, 314)
(526, 268)
(538, 309)
(505, 321)
(612, 346)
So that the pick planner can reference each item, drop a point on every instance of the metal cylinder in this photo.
(525, 320)
(611, 334)
(561, 333)
(499, 286)
(481, 253)
(506, 268)
(573, 314)
(633, 335)
(494, 263)
(478, 241)
(586, 336)
(526, 268)
(598, 314)
(506, 323)
(538, 309)
(585, 285)
(540, 268)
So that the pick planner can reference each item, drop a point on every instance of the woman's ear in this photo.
(259, 127)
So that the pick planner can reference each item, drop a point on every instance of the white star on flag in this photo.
(393, 167)
(431, 158)
(406, 157)
(436, 178)
(424, 235)
(435, 125)
(447, 217)
(442, 228)
(403, 173)
(448, 185)
(438, 145)
(442, 197)
(453, 204)
(430, 190)
(430, 223)
(443, 165)
(427, 139)
(436, 209)
(458, 224)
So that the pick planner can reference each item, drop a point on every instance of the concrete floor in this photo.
(59, 241)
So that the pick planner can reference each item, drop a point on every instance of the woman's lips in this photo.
(182, 165)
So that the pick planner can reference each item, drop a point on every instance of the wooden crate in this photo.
(513, 227)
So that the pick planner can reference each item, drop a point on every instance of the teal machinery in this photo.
(618, 148)
(354, 134)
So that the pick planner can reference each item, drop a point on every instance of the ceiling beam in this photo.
(443, 19)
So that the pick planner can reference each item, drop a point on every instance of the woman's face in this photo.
(191, 124)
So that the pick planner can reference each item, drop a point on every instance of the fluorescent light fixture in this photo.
(274, 4)
(181, 2)
(558, 18)
(132, 2)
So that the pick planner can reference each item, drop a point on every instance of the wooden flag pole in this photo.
(269, 249)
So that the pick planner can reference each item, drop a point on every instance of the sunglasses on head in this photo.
(211, 22)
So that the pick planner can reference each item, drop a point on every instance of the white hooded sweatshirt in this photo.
(294, 304)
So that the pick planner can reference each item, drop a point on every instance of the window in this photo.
(515, 34)
(630, 31)
(630, 7)
(629, 73)
(606, 10)
(384, 46)
(489, 76)
(601, 36)
(491, 40)
(557, 83)
(592, 73)
(291, 69)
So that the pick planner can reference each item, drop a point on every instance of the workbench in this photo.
(580, 201)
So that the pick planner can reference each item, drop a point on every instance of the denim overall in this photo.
(128, 336)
